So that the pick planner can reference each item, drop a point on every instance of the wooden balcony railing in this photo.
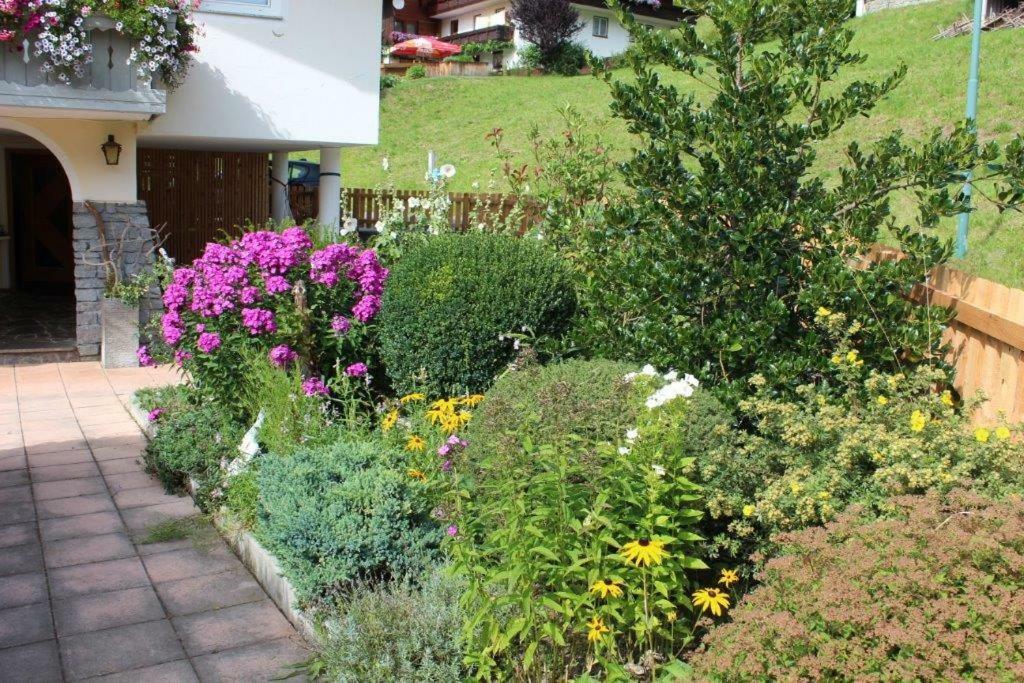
(110, 88)
(481, 35)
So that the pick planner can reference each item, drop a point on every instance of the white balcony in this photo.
(110, 88)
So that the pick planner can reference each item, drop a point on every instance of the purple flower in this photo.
(452, 530)
(173, 328)
(277, 284)
(282, 355)
(453, 440)
(366, 308)
(341, 324)
(181, 355)
(258, 320)
(444, 450)
(155, 414)
(145, 360)
(208, 342)
(446, 466)
(314, 386)
(357, 370)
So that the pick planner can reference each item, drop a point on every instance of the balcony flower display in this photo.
(57, 32)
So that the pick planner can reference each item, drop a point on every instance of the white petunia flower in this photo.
(632, 434)
(658, 470)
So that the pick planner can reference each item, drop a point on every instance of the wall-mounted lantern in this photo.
(111, 151)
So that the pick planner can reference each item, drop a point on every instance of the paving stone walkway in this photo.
(81, 596)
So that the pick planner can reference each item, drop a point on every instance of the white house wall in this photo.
(308, 79)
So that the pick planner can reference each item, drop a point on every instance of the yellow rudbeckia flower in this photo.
(595, 629)
(389, 420)
(415, 444)
(415, 396)
(713, 599)
(644, 552)
(603, 588)
(417, 474)
(728, 577)
(471, 401)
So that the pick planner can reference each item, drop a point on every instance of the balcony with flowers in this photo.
(97, 58)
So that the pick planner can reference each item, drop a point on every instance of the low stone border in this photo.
(254, 556)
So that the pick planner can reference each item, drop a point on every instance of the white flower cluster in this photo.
(65, 47)
(673, 389)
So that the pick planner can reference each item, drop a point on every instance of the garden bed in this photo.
(264, 567)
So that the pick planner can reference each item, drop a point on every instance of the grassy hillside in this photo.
(452, 115)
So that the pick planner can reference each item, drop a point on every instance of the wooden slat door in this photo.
(41, 220)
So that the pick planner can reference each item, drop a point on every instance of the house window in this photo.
(454, 27)
(255, 8)
(600, 27)
(479, 22)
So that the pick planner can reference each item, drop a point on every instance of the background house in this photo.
(270, 77)
(479, 21)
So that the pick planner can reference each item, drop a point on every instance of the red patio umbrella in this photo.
(425, 46)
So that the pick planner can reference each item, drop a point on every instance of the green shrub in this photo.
(781, 464)
(346, 512)
(388, 81)
(415, 72)
(931, 594)
(577, 403)
(450, 300)
(397, 632)
(167, 398)
(242, 494)
(191, 441)
(566, 61)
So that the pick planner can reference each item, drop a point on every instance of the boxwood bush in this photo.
(450, 300)
(341, 513)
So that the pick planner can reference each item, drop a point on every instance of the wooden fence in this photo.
(985, 339)
(367, 206)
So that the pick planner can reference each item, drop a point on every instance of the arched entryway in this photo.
(37, 262)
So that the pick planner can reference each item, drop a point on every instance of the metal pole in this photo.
(972, 121)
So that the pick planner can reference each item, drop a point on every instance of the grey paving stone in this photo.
(128, 481)
(22, 589)
(67, 488)
(205, 593)
(77, 470)
(179, 671)
(21, 558)
(106, 610)
(71, 507)
(25, 624)
(59, 458)
(86, 550)
(97, 577)
(57, 446)
(231, 627)
(121, 649)
(138, 519)
(103, 453)
(189, 562)
(17, 534)
(82, 525)
(13, 462)
(35, 663)
(13, 478)
(201, 538)
(15, 494)
(133, 465)
(153, 494)
(12, 513)
(260, 662)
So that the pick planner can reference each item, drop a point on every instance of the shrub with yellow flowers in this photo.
(584, 564)
(863, 439)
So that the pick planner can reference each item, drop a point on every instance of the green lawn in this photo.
(453, 115)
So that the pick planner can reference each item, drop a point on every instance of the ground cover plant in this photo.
(929, 594)
(932, 94)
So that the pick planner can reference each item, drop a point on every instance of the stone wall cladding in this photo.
(129, 219)
(879, 5)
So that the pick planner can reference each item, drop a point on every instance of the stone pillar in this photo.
(127, 222)
(279, 209)
(330, 188)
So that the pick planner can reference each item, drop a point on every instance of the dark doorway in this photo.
(40, 208)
